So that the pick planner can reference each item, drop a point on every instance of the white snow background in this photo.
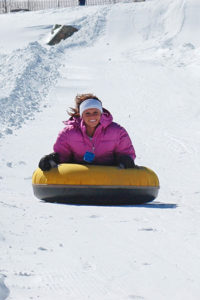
(143, 61)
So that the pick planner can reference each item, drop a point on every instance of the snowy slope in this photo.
(143, 61)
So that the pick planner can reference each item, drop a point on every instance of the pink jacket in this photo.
(110, 140)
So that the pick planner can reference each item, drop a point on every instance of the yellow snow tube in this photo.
(90, 184)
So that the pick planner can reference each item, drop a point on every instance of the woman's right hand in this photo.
(49, 161)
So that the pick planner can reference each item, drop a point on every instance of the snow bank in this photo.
(25, 81)
(4, 291)
(28, 73)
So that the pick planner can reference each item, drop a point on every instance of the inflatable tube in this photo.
(95, 185)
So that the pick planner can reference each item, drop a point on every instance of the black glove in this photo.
(125, 162)
(49, 161)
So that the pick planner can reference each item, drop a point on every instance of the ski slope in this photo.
(142, 60)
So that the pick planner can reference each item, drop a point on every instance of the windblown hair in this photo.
(78, 100)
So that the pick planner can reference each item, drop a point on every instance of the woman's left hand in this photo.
(126, 162)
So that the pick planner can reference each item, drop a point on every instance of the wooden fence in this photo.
(7, 6)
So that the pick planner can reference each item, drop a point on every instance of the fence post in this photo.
(5, 5)
(81, 2)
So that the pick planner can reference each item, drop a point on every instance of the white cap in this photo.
(90, 103)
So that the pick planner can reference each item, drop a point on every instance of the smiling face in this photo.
(91, 117)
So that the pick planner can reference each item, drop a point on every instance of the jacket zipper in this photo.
(93, 145)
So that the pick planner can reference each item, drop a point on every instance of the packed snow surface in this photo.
(143, 61)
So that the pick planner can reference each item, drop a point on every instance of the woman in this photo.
(91, 137)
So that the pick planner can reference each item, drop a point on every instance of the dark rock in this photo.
(61, 32)
(19, 9)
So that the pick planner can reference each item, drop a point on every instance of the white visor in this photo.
(90, 103)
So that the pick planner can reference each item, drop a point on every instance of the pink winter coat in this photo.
(110, 140)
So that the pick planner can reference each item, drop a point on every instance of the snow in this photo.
(142, 60)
